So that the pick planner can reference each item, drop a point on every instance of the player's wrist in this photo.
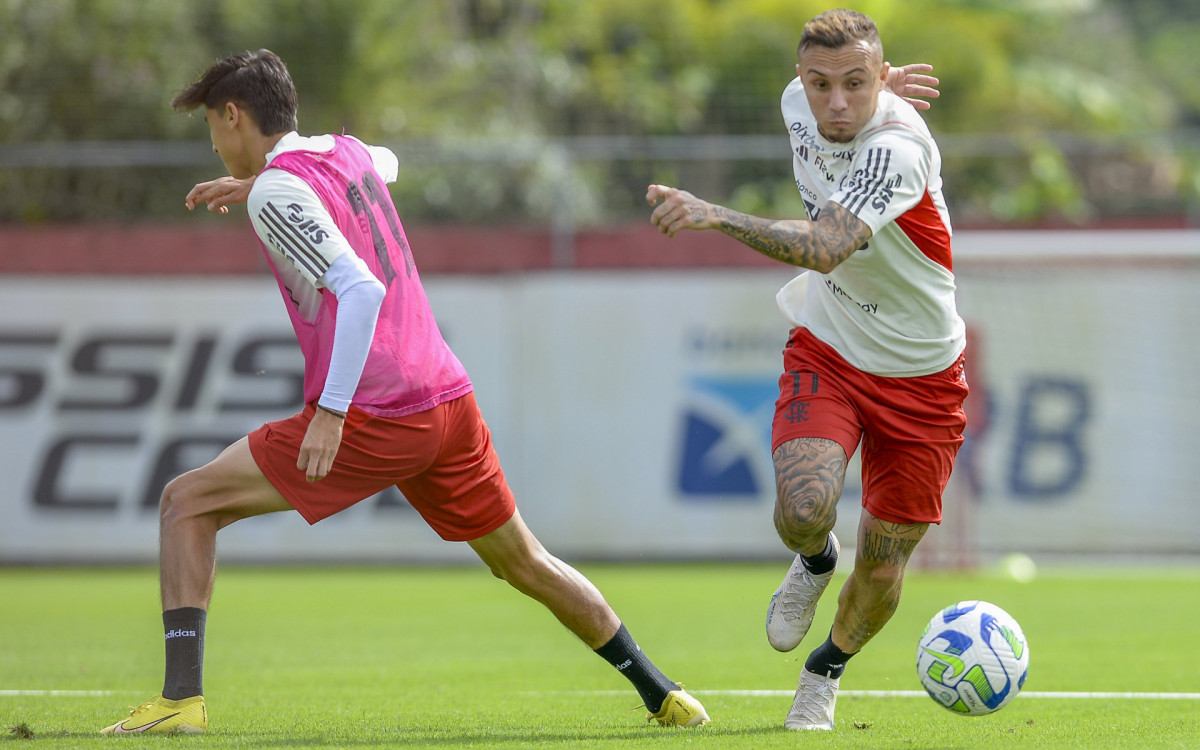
(334, 412)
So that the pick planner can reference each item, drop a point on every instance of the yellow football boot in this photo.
(680, 710)
(162, 715)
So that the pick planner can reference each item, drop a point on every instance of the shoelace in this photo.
(813, 704)
(145, 706)
(794, 608)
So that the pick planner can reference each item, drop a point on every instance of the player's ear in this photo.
(883, 73)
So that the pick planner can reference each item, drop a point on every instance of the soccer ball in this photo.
(973, 658)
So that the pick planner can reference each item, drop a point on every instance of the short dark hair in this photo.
(258, 82)
(837, 28)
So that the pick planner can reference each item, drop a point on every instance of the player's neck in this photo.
(265, 145)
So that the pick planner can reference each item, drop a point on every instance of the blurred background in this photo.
(628, 378)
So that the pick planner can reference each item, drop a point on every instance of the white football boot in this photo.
(815, 699)
(790, 613)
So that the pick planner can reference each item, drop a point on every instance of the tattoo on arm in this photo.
(820, 245)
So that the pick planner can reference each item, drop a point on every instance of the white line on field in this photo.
(732, 693)
(922, 694)
(917, 694)
(54, 693)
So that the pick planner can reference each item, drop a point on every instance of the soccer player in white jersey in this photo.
(876, 354)
(386, 401)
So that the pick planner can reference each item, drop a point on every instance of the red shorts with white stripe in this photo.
(441, 459)
(910, 428)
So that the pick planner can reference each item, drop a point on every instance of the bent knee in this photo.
(187, 497)
(524, 572)
(796, 522)
(497, 572)
(172, 502)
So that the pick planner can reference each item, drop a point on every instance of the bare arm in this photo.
(820, 245)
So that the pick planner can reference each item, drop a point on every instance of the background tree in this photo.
(558, 110)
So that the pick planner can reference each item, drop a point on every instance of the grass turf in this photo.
(445, 658)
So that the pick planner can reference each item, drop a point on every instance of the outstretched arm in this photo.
(909, 81)
(820, 245)
(219, 193)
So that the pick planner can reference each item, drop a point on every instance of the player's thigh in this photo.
(915, 428)
(886, 544)
(463, 494)
(817, 395)
(231, 486)
(815, 430)
(904, 482)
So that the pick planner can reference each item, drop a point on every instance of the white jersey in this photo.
(889, 308)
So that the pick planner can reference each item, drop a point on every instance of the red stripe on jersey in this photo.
(923, 225)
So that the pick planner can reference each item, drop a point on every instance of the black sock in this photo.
(627, 657)
(827, 659)
(824, 561)
(184, 637)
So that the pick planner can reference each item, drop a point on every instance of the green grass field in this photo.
(450, 657)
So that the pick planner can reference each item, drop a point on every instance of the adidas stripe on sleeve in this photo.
(888, 177)
(292, 222)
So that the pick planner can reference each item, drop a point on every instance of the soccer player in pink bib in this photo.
(387, 402)
(875, 358)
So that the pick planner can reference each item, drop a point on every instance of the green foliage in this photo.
(72, 71)
(457, 81)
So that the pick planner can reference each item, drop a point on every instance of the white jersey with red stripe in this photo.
(889, 308)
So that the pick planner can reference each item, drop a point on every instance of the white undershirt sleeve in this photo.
(384, 159)
(292, 222)
(359, 295)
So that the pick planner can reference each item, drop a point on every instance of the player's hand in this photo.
(219, 193)
(909, 81)
(675, 210)
(320, 445)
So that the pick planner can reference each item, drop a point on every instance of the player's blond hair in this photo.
(837, 28)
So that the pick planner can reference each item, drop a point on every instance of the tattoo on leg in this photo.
(859, 627)
(809, 474)
(872, 593)
(894, 546)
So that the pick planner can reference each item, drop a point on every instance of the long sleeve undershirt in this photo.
(306, 266)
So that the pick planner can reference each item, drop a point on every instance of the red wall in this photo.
(231, 248)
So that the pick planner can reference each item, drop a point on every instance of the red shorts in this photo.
(441, 459)
(910, 428)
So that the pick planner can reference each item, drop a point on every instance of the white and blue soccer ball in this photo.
(973, 658)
